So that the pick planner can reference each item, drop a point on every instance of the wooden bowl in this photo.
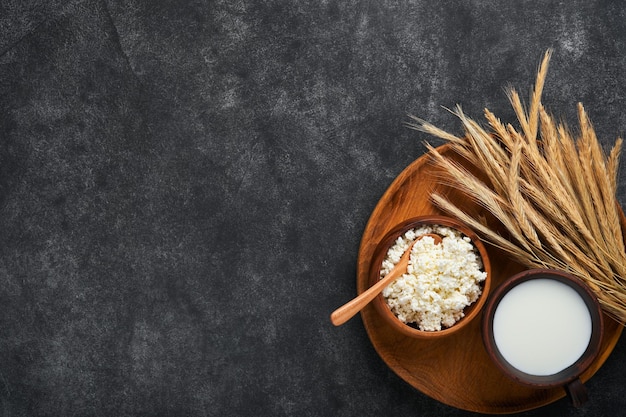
(380, 253)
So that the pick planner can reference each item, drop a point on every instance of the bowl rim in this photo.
(380, 252)
(573, 371)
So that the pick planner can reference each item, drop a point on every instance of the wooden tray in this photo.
(455, 370)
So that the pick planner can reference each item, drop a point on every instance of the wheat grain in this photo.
(555, 195)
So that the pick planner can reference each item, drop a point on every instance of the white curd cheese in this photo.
(441, 279)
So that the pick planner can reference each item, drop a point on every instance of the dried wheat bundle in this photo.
(554, 193)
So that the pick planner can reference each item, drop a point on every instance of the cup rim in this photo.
(573, 371)
(471, 311)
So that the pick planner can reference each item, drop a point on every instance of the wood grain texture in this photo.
(455, 370)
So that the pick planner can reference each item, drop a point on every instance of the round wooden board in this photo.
(454, 370)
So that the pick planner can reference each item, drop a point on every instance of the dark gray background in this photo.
(184, 185)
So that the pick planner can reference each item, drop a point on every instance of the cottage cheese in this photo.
(441, 279)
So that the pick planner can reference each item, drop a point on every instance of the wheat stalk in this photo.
(555, 194)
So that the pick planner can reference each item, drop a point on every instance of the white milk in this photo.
(542, 326)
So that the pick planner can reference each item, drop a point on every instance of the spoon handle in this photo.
(349, 309)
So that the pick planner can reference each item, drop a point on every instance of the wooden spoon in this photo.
(348, 310)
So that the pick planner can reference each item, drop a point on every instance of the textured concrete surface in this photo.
(184, 184)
